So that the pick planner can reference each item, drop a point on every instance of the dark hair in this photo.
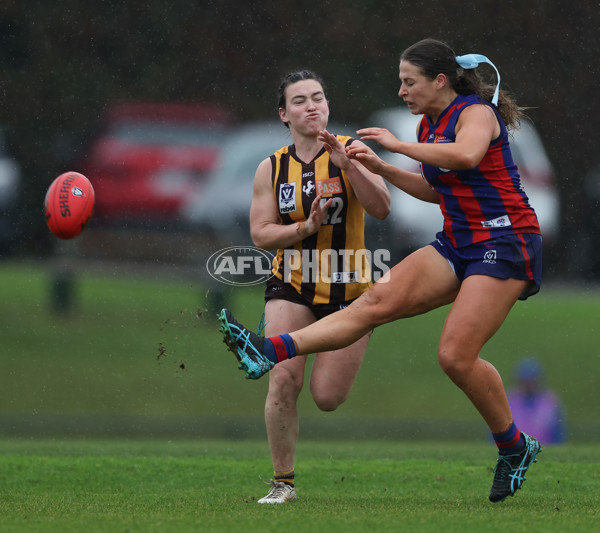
(435, 57)
(294, 77)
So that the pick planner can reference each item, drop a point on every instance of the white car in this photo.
(414, 223)
(222, 207)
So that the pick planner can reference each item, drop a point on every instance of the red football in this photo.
(69, 204)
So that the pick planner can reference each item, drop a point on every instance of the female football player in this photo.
(487, 256)
(309, 202)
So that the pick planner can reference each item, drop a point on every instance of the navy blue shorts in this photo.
(506, 257)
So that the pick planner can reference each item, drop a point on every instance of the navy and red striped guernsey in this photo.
(480, 203)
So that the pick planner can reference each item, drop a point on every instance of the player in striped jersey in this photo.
(487, 256)
(309, 202)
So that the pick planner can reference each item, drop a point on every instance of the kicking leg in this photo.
(421, 282)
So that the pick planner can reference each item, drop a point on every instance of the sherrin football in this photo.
(69, 204)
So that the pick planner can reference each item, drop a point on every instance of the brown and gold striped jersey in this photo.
(332, 265)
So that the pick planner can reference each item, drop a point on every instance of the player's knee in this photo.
(328, 402)
(326, 398)
(372, 308)
(377, 308)
(284, 384)
(454, 361)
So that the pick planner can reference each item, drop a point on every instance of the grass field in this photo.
(139, 352)
(180, 486)
(139, 359)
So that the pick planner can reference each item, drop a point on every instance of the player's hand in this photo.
(366, 156)
(336, 150)
(318, 212)
(380, 135)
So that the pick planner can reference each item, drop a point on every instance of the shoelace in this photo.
(503, 468)
(506, 470)
(261, 325)
(243, 335)
(277, 487)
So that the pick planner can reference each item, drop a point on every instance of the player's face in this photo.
(306, 108)
(418, 92)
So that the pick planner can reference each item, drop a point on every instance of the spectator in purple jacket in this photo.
(536, 409)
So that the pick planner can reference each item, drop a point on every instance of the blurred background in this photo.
(169, 108)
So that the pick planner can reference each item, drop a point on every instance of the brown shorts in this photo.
(278, 290)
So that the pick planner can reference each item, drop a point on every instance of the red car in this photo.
(150, 156)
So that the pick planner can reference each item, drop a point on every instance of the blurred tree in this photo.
(63, 63)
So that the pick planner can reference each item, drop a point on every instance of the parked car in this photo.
(10, 182)
(584, 253)
(223, 206)
(150, 156)
(414, 223)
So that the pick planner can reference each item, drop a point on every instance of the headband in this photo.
(470, 61)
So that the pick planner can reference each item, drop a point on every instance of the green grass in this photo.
(141, 356)
(206, 485)
(138, 351)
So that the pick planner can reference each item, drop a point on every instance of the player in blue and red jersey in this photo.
(487, 256)
(482, 202)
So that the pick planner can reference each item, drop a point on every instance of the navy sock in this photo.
(279, 348)
(509, 442)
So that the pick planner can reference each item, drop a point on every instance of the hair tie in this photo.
(470, 61)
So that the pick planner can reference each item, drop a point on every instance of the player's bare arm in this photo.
(475, 129)
(409, 182)
(265, 226)
(370, 189)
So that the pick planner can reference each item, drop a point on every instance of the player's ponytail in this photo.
(435, 57)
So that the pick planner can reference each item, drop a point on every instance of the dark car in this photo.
(584, 253)
(150, 156)
(10, 181)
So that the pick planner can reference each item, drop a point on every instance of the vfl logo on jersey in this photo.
(490, 257)
(287, 198)
(308, 188)
(329, 187)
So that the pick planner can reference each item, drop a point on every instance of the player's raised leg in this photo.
(421, 282)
